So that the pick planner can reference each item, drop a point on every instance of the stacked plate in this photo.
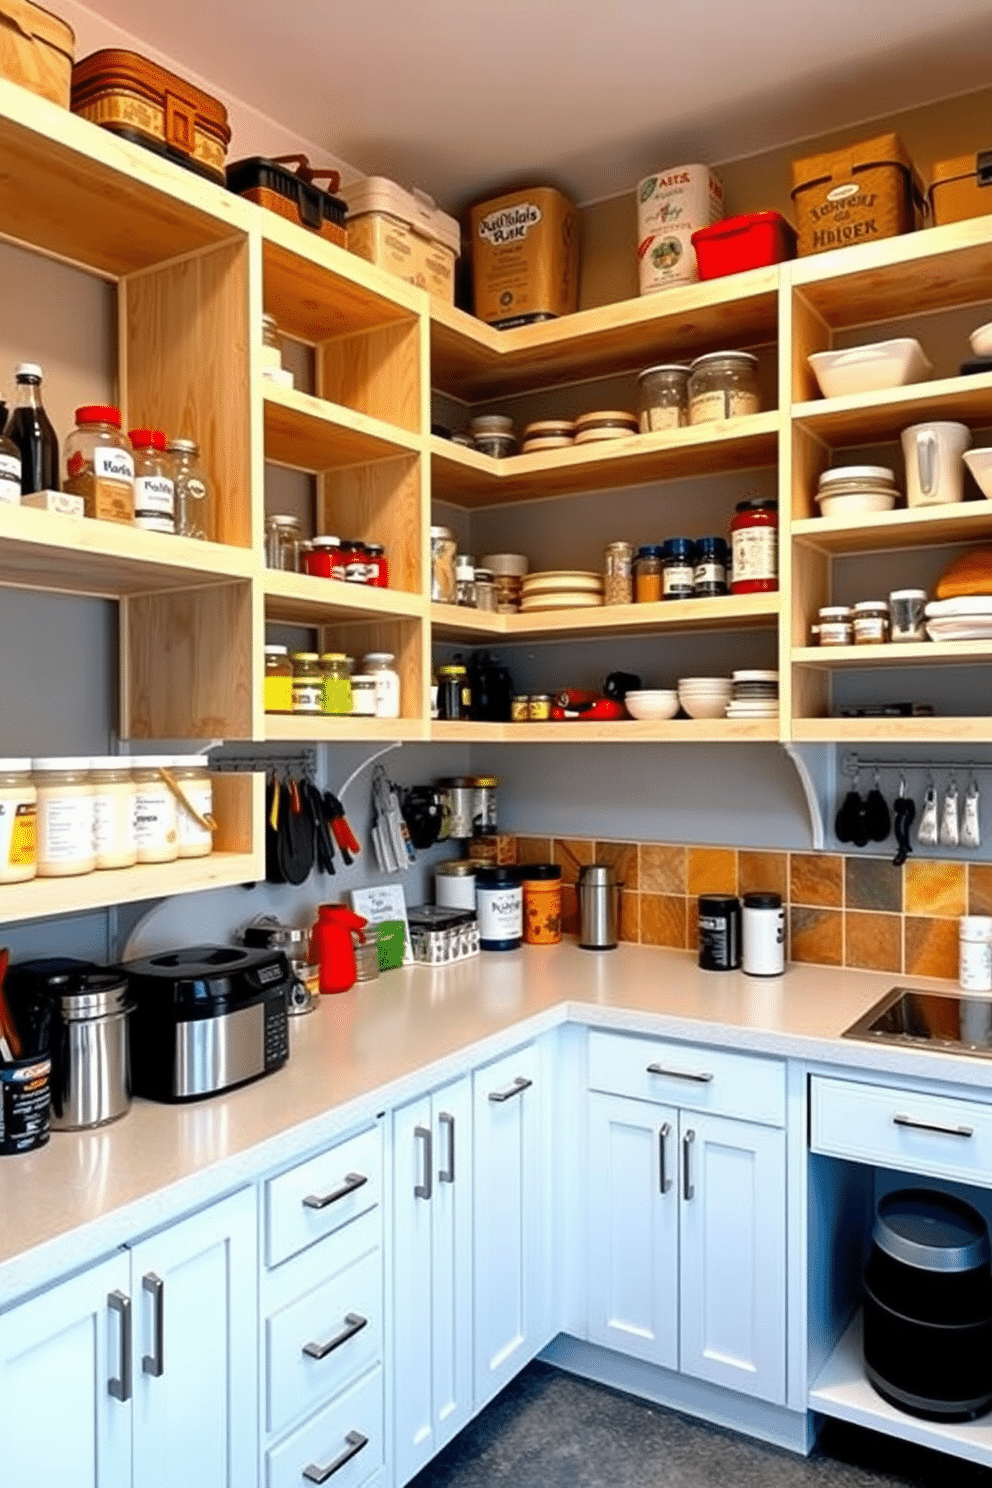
(755, 695)
(966, 619)
(561, 589)
(705, 697)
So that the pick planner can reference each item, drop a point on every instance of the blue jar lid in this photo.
(712, 547)
(650, 550)
(680, 548)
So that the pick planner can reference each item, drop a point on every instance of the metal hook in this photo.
(902, 783)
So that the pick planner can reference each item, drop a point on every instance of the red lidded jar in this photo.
(377, 565)
(322, 558)
(754, 546)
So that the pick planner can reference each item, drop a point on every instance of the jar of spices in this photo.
(100, 464)
(379, 665)
(723, 385)
(308, 684)
(192, 489)
(493, 434)
(870, 622)
(18, 820)
(154, 490)
(278, 687)
(362, 696)
(648, 570)
(710, 576)
(376, 566)
(337, 683)
(465, 580)
(618, 573)
(322, 557)
(443, 552)
(509, 591)
(65, 817)
(835, 627)
(196, 839)
(485, 590)
(664, 395)
(282, 542)
(499, 902)
(678, 559)
(542, 904)
(539, 707)
(115, 799)
(754, 546)
(454, 695)
(156, 817)
(519, 708)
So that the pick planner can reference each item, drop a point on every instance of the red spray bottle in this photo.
(331, 946)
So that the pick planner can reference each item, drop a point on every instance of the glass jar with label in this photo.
(454, 695)
(156, 818)
(710, 577)
(353, 555)
(196, 838)
(18, 821)
(520, 708)
(664, 394)
(100, 464)
(723, 385)
(322, 557)
(485, 810)
(376, 566)
(678, 560)
(363, 695)
(10, 470)
(192, 489)
(308, 684)
(278, 680)
(154, 488)
(444, 550)
(337, 683)
(465, 580)
(282, 542)
(65, 817)
(485, 590)
(648, 570)
(754, 546)
(379, 664)
(870, 622)
(834, 626)
(114, 810)
(539, 707)
(618, 573)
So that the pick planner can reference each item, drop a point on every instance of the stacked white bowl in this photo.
(652, 702)
(705, 697)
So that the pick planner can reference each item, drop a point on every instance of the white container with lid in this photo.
(672, 205)
(404, 232)
(975, 953)
(454, 884)
(156, 817)
(114, 809)
(192, 776)
(379, 665)
(18, 822)
(65, 817)
(363, 692)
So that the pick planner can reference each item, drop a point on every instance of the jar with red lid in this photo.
(322, 558)
(100, 464)
(378, 565)
(754, 546)
(154, 488)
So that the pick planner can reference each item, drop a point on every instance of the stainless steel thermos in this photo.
(599, 908)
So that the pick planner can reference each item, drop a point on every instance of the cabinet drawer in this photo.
(749, 1086)
(322, 1194)
(322, 1341)
(931, 1134)
(348, 1432)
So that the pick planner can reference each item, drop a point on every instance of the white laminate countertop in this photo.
(86, 1193)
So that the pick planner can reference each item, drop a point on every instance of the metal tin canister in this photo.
(719, 932)
(456, 806)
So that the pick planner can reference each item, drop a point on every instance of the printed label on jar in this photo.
(308, 697)
(154, 817)
(677, 581)
(113, 464)
(18, 835)
(65, 830)
(278, 694)
(501, 915)
(113, 823)
(709, 573)
(755, 552)
(654, 420)
(869, 630)
(153, 494)
(706, 408)
(200, 795)
(10, 480)
(155, 522)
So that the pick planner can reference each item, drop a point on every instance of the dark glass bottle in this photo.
(30, 429)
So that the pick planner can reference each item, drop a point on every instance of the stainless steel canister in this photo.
(91, 1066)
(599, 908)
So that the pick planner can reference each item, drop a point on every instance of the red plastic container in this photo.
(739, 243)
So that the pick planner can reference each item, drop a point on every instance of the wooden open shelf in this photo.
(624, 731)
(309, 433)
(300, 599)
(968, 521)
(734, 612)
(920, 653)
(288, 727)
(891, 730)
(873, 418)
(318, 291)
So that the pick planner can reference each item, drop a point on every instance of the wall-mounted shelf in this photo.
(969, 521)
(310, 433)
(892, 730)
(921, 653)
(733, 612)
(626, 731)
(329, 730)
(873, 418)
(300, 599)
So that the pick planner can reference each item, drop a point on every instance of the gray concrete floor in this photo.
(549, 1430)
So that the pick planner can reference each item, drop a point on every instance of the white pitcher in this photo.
(934, 467)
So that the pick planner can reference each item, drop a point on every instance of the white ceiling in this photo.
(459, 96)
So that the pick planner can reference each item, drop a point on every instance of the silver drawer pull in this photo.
(154, 1363)
(688, 1187)
(447, 1175)
(120, 1387)
(519, 1084)
(356, 1441)
(670, 1074)
(425, 1189)
(931, 1126)
(664, 1182)
(321, 1201)
(353, 1323)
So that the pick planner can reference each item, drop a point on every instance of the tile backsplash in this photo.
(842, 911)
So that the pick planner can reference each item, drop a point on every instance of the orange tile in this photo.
(816, 878)
(980, 888)
(534, 850)
(663, 868)
(566, 851)
(872, 883)
(934, 888)
(712, 870)
(931, 947)
(622, 856)
(763, 870)
(692, 924)
(816, 935)
(569, 910)
(663, 920)
(630, 916)
(873, 942)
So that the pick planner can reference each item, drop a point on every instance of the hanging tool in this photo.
(348, 844)
(903, 812)
(878, 817)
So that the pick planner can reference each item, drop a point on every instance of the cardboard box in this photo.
(865, 191)
(961, 188)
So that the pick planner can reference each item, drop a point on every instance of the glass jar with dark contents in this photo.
(454, 695)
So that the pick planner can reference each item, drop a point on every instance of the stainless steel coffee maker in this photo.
(599, 907)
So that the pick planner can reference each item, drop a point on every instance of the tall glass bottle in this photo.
(30, 429)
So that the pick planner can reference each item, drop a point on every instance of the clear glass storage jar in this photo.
(465, 580)
(444, 550)
(870, 622)
(282, 542)
(308, 684)
(678, 559)
(154, 488)
(196, 839)
(485, 590)
(99, 464)
(278, 680)
(379, 665)
(155, 814)
(363, 695)
(192, 489)
(114, 809)
(18, 821)
(723, 385)
(65, 817)
(337, 683)
(754, 546)
(834, 627)
(618, 573)
(664, 394)
(648, 574)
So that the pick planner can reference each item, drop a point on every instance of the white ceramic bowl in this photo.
(868, 369)
(693, 684)
(652, 704)
(979, 462)
(981, 339)
(850, 503)
(705, 707)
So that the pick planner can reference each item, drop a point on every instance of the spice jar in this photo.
(443, 551)
(519, 708)
(282, 542)
(115, 799)
(618, 573)
(539, 707)
(871, 622)
(337, 683)
(322, 557)
(710, 577)
(379, 666)
(664, 394)
(308, 684)
(542, 904)
(648, 572)
(363, 695)
(754, 546)
(834, 628)
(485, 590)
(678, 560)
(278, 687)
(156, 818)
(100, 464)
(18, 820)
(723, 385)
(499, 902)
(192, 489)
(193, 779)
(454, 695)
(10, 471)
(154, 491)
(65, 817)
(376, 566)
(493, 434)
(465, 580)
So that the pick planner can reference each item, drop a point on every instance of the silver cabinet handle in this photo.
(931, 1126)
(447, 1175)
(356, 1441)
(519, 1084)
(321, 1201)
(353, 1323)
(664, 1182)
(120, 1388)
(154, 1363)
(700, 1078)
(688, 1187)
(425, 1190)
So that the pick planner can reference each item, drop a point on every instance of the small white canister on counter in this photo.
(454, 884)
(975, 953)
(763, 935)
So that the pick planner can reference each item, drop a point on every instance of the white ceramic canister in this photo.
(975, 953)
(114, 808)
(379, 665)
(934, 465)
(671, 206)
(193, 778)
(156, 817)
(65, 817)
(18, 822)
(454, 884)
(763, 935)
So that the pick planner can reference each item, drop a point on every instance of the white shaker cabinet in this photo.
(65, 1401)
(432, 1275)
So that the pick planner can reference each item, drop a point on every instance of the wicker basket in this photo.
(865, 191)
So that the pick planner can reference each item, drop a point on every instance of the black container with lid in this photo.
(719, 932)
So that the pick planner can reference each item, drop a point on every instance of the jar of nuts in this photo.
(618, 573)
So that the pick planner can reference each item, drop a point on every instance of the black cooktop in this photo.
(943, 1021)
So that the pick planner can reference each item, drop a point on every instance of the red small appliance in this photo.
(331, 946)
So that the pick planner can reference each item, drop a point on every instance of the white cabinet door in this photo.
(633, 1228)
(195, 1288)
(511, 1218)
(65, 1400)
(732, 1246)
(413, 1418)
(451, 1287)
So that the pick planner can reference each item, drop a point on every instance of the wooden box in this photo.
(37, 50)
(292, 193)
(864, 191)
(961, 188)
